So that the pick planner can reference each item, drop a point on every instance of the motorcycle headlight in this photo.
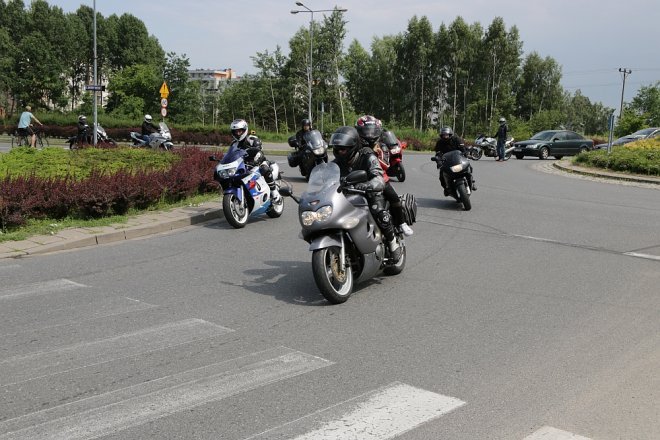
(309, 217)
(457, 168)
(318, 151)
(226, 173)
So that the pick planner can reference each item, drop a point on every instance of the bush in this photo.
(103, 192)
(641, 157)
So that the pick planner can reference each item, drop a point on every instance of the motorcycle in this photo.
(102, 139)
(393, 155)
(346, 243)
(245, 191)
(456, 173)
(160, 140)
(313, 152)
(487, 146)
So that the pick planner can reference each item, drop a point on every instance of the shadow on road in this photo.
(446, 203)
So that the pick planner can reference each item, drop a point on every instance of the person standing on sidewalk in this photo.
(501, 135)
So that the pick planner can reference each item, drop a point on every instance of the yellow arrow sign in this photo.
(164, 91)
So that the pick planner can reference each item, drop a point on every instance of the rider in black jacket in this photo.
(447, 142)
(148, 128)
(350, 155)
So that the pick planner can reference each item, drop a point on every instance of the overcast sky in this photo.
(590, 39)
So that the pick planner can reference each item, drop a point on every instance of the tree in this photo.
(135, 91)
(184, 99)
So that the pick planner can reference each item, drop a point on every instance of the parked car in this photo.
(646, 133)
(557, 143)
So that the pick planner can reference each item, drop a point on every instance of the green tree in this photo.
(135, 91)
(184, 100)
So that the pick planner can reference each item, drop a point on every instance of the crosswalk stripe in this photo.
(378, 415)
(41, 288)
(550, 433)
(31, 366)
(133, 406)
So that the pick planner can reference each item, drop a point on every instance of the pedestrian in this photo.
(25, 125)
(501, 135)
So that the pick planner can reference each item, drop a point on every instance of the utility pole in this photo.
(625, 72)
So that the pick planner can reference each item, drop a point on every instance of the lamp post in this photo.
(311, 39)
(96, 115)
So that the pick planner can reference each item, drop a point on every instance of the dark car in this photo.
(557, 143)
(646, 133)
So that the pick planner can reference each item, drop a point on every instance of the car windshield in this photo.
(313, 139)
(543, 135)
(323, 176)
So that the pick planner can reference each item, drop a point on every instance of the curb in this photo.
(569, 168)
(81, 237)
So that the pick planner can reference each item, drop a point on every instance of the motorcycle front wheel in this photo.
(276, 209)
(235, 211)
(476, 154)
(400, 173)
(334, 282)
(463, 196)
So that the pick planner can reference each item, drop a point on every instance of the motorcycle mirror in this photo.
(434, 159)
(358, 176)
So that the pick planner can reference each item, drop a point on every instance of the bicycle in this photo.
(24, 140)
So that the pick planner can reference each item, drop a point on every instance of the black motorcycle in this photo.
(456, 173)
(313, 152)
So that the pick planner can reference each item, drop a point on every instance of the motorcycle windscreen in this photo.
(233, 154)
(389, 139)
(314, 139)
(323, 176)
(163, 127)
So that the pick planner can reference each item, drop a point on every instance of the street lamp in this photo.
(311, 38)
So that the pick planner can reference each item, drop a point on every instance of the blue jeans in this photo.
(500, 149)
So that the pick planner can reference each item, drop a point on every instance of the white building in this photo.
(212, 80)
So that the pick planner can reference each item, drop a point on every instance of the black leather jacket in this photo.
(365, 159)
(148, 128)
(446, 145)
(502, 132)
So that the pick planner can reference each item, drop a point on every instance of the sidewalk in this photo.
(566, 165)
(138, 226)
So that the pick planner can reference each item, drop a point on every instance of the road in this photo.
(535, 315)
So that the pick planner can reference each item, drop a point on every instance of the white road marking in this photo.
(550, 433)
(381, 414)
(42, 288)
(34, 365)
(645, 256)
(133, 406)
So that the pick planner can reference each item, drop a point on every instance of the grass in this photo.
(51, 227)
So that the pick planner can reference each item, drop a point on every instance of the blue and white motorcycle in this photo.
(245, 190)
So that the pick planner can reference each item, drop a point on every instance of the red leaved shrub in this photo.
(102, 194)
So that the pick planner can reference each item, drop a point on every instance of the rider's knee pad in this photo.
(384, 217)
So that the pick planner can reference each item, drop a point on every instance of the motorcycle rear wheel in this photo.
(235, 212)
(334, 282)
(397, 268)
(464, 197)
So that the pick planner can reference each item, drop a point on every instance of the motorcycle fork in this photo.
(342, 255)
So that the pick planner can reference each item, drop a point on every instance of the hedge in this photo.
(641, 157)
(101, 193)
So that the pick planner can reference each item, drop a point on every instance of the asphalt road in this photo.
(535, 315)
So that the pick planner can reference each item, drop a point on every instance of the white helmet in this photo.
(502, 121)
(239, 129)
(148, 118)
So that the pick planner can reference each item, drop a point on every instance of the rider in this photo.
(83, 136)
(501, 135)
(350, 155)
(305, 126)
(370, 129)
(148, 128)
(449, 142)
(24, 125)
(255, 157)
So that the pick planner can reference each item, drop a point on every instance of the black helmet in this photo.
(446, 131)
(305, 122)
(369, 128)
(345, 142)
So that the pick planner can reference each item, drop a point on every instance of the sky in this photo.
(590, 39)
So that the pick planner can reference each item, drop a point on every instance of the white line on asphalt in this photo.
(134, 406)
(22, 368)
(9, 267)
(42, 288)
(378, 415)
(645, 256)
(549, 433)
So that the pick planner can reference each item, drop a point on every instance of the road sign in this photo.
(95, 87)
(163, 102)
(163, 112)
(164, 91)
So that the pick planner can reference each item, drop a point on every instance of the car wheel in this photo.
(583, 149)
(544, 153)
